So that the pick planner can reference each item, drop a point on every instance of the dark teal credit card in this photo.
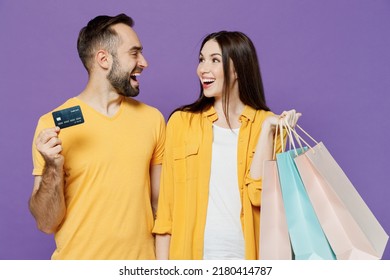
(68, 117)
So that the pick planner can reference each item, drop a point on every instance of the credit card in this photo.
(68, 117)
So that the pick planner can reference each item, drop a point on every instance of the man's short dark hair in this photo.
(99, 34)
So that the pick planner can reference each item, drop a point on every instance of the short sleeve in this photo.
(160, 141)
(163, 223)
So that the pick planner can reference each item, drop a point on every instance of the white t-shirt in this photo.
(223, 237)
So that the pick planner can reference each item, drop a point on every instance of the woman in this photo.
(209, 202)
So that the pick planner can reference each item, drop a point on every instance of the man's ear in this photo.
(102, 59)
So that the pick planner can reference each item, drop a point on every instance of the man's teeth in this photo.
(134, 76)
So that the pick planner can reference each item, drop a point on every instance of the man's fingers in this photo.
(46, 134)
(48, 143)
(53, 142)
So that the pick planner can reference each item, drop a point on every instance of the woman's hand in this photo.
(264, 148)
(291, 117)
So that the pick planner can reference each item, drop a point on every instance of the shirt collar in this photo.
(248, 114)
(211, 114)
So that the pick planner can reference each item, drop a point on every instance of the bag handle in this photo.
(291, 136)
(280, 130)
(299, 137)
(307, 134)
(282, 123)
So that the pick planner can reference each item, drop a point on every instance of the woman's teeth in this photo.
(208, 81)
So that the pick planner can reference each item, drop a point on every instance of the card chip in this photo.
(68, 117)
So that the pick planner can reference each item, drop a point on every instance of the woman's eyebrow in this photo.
(213, 54)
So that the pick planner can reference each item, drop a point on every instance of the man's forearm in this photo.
(47, 203)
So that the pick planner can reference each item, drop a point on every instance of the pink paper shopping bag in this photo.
(274, 239)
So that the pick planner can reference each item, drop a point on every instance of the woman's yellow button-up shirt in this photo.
(184, 188)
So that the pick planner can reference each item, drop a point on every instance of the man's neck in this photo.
(102, 98)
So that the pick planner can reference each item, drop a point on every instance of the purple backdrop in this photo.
(328, 59)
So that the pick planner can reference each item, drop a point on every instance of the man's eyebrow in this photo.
(136, 48)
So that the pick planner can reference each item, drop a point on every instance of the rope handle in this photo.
(293, 136)
(307, 134)
(299, 137)
(280, 130)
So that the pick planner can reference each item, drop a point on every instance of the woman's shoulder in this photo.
(261, 115)
(183, 117)
(265, 113)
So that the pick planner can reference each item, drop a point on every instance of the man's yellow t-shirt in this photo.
(107, 182)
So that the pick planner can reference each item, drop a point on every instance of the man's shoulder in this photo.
(68, 103)
(142, 107)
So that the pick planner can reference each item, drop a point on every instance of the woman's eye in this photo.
(215, 60)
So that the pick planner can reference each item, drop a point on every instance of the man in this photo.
(96, 183)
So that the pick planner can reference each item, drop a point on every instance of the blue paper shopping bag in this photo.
(307, 237)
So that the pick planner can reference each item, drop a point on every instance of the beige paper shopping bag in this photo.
(351, 228)
(345, 236)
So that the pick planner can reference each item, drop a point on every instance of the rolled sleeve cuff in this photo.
(254, 187)
(161, 227)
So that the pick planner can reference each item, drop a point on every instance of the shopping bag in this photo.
(350, 226)
(274, 239)
(307, 237)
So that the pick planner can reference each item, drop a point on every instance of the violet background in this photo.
(328, 59)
